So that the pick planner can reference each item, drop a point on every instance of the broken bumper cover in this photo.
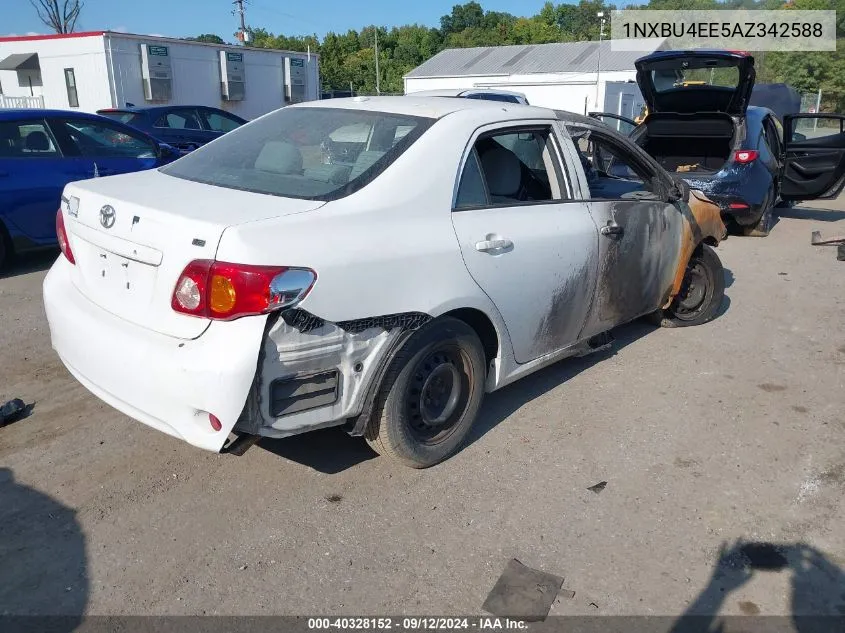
(164, 382)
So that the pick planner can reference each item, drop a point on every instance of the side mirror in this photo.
(680, 191)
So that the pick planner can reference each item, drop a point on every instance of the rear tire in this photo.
(5, 248)
(762, 227)
(430, 395)
(702, 291)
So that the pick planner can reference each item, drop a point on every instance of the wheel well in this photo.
(483, 326)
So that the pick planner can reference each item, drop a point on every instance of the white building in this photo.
(575, 76)
(102, 69)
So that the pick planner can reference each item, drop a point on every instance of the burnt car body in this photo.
(700, 125)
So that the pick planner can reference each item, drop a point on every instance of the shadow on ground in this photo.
(817, 588)
(29, 263)
(42, 556)
(811, 213)
(329, 451)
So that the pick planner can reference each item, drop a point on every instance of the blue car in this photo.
(43, 150)
(183, 127)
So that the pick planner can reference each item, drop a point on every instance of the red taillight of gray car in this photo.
(226, 291)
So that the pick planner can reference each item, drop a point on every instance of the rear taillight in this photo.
(61, 234)
(225, 291)
(745, 156)
(738, 206)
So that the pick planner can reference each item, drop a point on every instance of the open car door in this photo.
(814, 161)
(621, 124)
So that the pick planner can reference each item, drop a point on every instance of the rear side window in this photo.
(179, 120)
(471, 191)
(303, 152)
(26, 139)
(220, 122)
(511, 168)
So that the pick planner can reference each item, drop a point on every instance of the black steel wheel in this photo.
(430, 395)
(701, 293)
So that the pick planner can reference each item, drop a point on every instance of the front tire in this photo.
(702, 291)
(430, 395)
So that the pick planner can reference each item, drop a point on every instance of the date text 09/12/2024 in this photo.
(415, 624)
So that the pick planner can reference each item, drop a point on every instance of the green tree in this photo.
(207, 38)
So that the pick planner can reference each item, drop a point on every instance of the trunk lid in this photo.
(133, 235)
(696, 81)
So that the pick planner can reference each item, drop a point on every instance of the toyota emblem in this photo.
(107, 216)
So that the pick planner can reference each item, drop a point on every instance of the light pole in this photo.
(599, 15)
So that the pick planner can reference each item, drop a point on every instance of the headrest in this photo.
(37, 142)
(280, 158)
(503, 171)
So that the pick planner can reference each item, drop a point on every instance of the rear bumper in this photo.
(164, 382)
(737, 185)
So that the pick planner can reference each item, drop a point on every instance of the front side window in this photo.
(70, 84)
(612, 173)
(179, 120)
(26, 139)
(97, 139)
(514, 167)
(221, 122)
(303, 152)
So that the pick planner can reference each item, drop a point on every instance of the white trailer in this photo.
(102, 69)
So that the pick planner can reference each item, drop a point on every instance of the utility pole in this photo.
(241, 11)
(378, 84)
(599, 15)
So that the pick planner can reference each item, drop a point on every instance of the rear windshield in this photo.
(311, 153)
(695, 74)
(123, 117)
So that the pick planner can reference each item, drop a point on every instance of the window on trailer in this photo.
(70, 82)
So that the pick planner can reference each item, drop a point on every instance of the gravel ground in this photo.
(707, 438)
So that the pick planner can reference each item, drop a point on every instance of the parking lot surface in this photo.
(717, 436)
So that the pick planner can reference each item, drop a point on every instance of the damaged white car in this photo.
(374, 263)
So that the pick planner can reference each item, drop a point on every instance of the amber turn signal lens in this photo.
(222, 295)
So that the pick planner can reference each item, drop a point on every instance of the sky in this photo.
(184, 18)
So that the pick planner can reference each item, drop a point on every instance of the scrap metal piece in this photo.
(13, 410)
(522, 593)
(816, 239)
(598, 487)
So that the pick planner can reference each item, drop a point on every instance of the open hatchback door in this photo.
(814, 161)
(696, 81)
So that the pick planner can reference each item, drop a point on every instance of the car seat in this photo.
(504, 175)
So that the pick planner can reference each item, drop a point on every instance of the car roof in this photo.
(433, 107)
(153, 109)
(38, 113)
(457, 92)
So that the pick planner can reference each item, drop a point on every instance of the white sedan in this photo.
(377, 263)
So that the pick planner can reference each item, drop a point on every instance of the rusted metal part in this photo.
(703, 222)
(816, 239)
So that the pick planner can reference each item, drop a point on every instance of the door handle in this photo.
(485, 246)
(611, 228)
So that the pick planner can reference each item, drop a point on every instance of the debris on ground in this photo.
(566, 593)
(523, 593)
(687, 168)
(598, 487)
(13, 410)
(816, 239)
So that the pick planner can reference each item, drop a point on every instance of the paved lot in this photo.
(705, 435)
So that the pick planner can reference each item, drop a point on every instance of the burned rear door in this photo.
(814, 162)
(640, 231)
